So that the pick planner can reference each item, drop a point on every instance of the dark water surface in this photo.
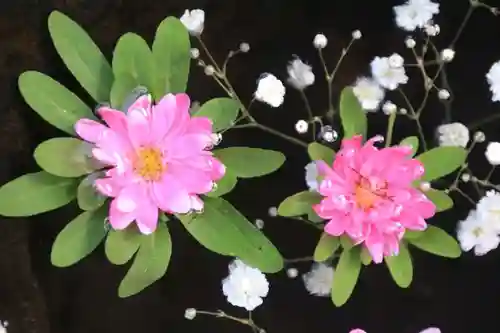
(456, 295)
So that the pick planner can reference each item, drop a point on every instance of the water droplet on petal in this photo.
(133, 96)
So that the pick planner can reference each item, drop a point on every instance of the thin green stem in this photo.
(390, 128)
(309, 112)
(222, 314)
(483, 121)
(415, 116)
(301, 259)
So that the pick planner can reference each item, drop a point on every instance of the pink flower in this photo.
(368, 195)
(357, 330)
(158, 159)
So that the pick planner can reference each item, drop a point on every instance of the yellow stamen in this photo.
(149, 163)
(366, 196)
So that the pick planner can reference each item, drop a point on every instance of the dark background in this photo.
(456, 295)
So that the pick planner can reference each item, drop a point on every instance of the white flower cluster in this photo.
(318, 281)
(387, 73)
(245, 286)
(480, 230)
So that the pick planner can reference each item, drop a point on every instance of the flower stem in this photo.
(244, 321)
(309, 112)
(228, 88)
(390, 128)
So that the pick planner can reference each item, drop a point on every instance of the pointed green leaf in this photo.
(87, 196)
(411, 141)
(225, 185)
(298, 204)
(81, 55)
(36, 193)
(436, 241)
(79, 238)
(320, 152)
(222, 111)
(440, 199)
(224, 230)
(346, 276)
(313, 217)
(246, 162)
(401, 266)
(123, 86)
(132, 56)
(150, 262)
(366, 257)
(65, 157)
(53, 102)
(171, 52)
(441, 161)
(352, 116)
(326, 247)
(121, 245)
(411, 234)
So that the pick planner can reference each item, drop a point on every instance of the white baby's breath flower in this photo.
(245, 286)
(301, 126)
(493, 153)
(386, 75)
(479, 136)
(488, 210)
(194, 21)
(473, 233)
(410, 43)
(318, 281)
(369, 93)
(190, 314)
(244, 47)
(270, 90)
(312, 176)
(389, 107)
(292, 273)
(415, 14)
(447, 55)
(356, 34)
(443, 94)
(320, 41)
(432, 30)
(3, 326)
(259, 223)
(431, 330)
(453, 134)
(493, 78)
(396, 61)
(300, 74)
(272, 211)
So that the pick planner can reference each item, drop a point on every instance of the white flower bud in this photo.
(425, 186)
(389, 107)
(410, 43)
(443, 94)
(301, 126)
(209, 70)
(244, 47)
(356, 34)
(479, 136)
(259, 223)
(320, 41)
(447, 55)
(292, 273)
(190, 313)
(195, 53)
(493, 153)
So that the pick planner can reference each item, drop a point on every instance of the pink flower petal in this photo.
(192, 179)
(107, 186)
(138, 128)
(147, 216)
(170, 196)
(119, 220)
(90, 130)
(116, 120)
(143, 104)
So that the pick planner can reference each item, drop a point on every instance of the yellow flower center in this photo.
(366, 195)
(149, 164)
(477, 231)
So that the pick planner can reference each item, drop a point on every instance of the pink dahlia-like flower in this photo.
(368, 195)
(158, 157)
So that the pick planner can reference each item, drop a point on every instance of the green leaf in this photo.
(352, 115)
(440, 199)
(81, 55)
(326, 247)
(87, 196)
(65, 157)
(225, 185)
(411, 141)
(365, 256)
(224, 230)
(121, 245)
(171, 48)
(441, 161)
(319, 152)
(36, 193)
(412, 234)
(313, 217)
(246, 162)
(346, 276)
(298, 204)
(123, 86)
(401, 266)
(79, 238)
(133, 57)
(346, 242)
(436, 241)
(53, 102)
(150, 262)
(222, 111)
